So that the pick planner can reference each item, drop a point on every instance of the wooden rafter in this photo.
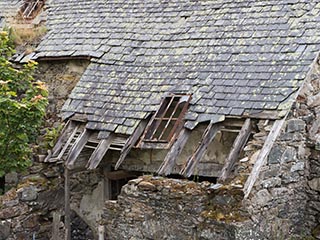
(66, 145)
(237, 147)
(77, 147)
(177, 147)
(99, 152)
(131, 142)
(207, 137)
(261, 159)
(61, 140)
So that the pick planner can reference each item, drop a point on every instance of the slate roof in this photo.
(8, 8)
(237, 57)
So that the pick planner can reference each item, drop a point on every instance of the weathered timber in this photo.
(194, 159)
(177, 147)
(272, 136)
(99, 153)
(77, 147)
(67, 220)
(237, 147)
(131, 142)
(68, 142)
(56, 217)
(63, 137)
(119, 174)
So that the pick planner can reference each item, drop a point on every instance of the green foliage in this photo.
(22, 106)
(51, 136)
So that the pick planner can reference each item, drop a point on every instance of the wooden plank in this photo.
(131, 142)
(67, 220)
(68, 142)
(207, 138)
(120, 174)
(237, 147)
(177, 147)
(62, 139)
(56, 217)
(77, 148)
(99, 153)
(261, 159)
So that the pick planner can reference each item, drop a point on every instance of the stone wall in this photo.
(27, 210)
(285, 201)
(60, 78)
(162, 208)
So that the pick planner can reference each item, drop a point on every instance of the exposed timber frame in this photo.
(54, 153)
(77, 147)
(207, 137)
(131, 142)
(237, 147)
(99, 152)
(177, 147)
(261, 159)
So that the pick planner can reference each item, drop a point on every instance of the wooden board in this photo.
(237, 147)
(99, 153)
(207, 137)
(77, 148)
(261, 159)
(131, 142)
(177, 147)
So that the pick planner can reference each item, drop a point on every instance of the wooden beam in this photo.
(261, 159)
(131, 142)
(77, 147)
(177, 147)
(68, 142)
(194, 159)
(120, 174)
(237, 147)
(67, 219)
(62, 139)
(56, 217)
(99, 152)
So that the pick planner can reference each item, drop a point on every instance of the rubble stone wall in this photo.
(285, 201)
(161, 208)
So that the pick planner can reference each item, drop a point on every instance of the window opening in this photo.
(167, 120)
(117, 179)
(31, 8)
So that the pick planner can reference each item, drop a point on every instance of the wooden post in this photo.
(237, 146)
(55, 225)
(272, 136)
(101, 232)
(106, 183)
(67, 220)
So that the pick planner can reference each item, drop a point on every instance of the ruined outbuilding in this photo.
(222, 96)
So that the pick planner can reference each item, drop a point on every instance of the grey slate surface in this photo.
(237, 57)
(8, 8)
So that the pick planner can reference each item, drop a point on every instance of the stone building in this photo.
(221, 97)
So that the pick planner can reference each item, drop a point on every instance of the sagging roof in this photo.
(236, 58)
